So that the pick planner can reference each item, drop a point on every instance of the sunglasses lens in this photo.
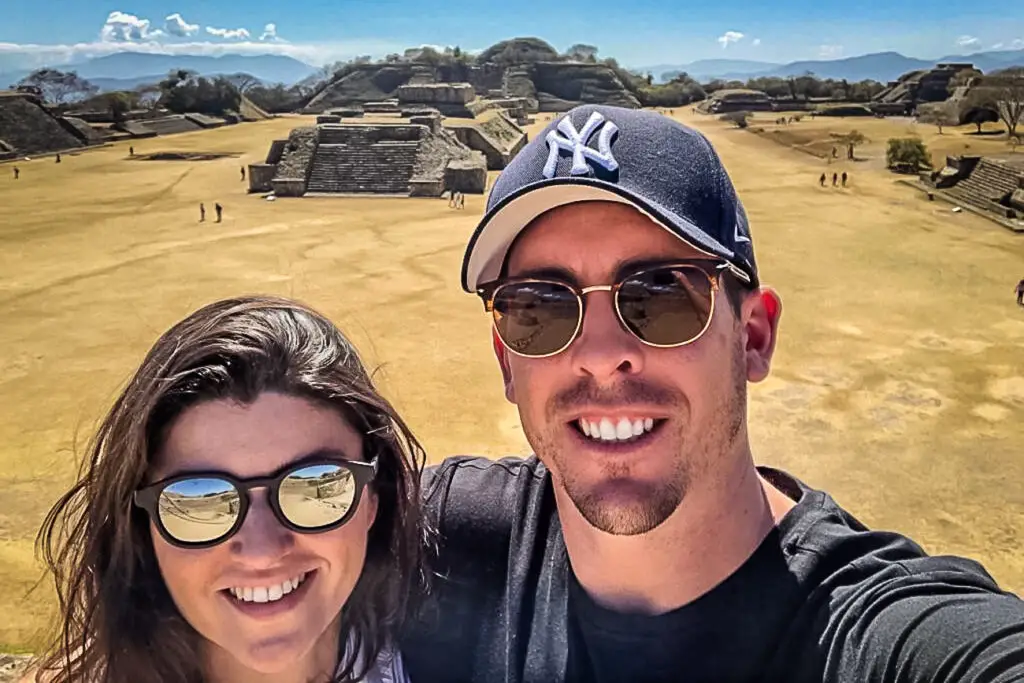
(536, 318)
(199, 510)
(666, 306)
(317, 496)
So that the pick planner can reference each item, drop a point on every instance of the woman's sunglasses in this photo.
(663, 306)
(203, 509)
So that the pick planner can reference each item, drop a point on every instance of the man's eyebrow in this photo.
(545, 273)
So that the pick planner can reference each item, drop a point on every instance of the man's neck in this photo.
(718, 526)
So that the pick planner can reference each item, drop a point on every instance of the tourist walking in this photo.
(822, 179)
(202, 213)
(17, 172)
(844, 178)
(1020, 292)
(58, 158)
(835, 179)
(243, 173)
(640, 541)
(131, 151)
(219, 209)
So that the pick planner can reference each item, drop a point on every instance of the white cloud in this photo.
(756, 42)
(1017, 44)
(124, 27)
(967, 41)
(36, 55)
(829, 51)
(175, 25)
(729, 37)
(270, 33)
(997, 46)
(228, 33)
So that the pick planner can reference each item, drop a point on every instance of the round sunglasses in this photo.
(663, 306)
(203, 509)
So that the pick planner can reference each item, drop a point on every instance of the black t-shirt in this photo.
(821, 599)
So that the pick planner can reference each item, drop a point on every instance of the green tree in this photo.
(907, 155)
(59, 87)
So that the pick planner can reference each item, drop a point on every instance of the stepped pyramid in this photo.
(414, 159)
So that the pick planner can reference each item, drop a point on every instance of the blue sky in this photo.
(637, 32)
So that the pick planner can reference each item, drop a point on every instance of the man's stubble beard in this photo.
(654, 502)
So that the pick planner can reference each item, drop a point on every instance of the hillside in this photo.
(879, 66)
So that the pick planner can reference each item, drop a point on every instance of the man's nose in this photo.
(604, 347)
(262, 540)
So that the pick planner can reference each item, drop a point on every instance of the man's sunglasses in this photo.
(200, 510)
(663, 306)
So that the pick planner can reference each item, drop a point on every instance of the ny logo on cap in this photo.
(576, 142)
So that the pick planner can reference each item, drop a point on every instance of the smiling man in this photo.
(641, 542)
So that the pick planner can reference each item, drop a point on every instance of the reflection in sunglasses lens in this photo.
(666, 306)
(198, 510)
(536, 318)
(317, 495)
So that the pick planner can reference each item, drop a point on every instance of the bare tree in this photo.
(938, 114)
(243, 81)
(59, 87)
(581, 52)
(1009, 96)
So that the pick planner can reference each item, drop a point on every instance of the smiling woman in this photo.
(249, 511)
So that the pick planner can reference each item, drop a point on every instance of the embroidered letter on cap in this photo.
(576, 142)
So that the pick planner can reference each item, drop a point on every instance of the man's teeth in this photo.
(267, 593)
(622, 429)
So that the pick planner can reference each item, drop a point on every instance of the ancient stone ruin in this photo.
(538, 86)
(414, 158)
(739, 99)
(448, 98)
(901, 96)
(28, 127)
(495, 135)
(990, 185)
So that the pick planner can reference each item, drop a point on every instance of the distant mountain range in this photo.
(125, 70)
(880, 66)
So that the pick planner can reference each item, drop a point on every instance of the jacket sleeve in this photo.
(944, 626)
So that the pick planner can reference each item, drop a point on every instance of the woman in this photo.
(249, 511)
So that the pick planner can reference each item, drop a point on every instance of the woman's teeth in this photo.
(267, 593)
(623, 429)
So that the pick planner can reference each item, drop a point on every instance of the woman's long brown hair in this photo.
(118, 622)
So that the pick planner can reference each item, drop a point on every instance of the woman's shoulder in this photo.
(387, 668)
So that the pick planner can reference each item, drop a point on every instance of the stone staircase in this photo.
(988, 184)
(364, 160)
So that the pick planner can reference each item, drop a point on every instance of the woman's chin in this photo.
(272, 656)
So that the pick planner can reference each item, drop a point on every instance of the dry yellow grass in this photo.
(897, 382)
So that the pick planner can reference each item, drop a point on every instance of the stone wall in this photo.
(29, 128)
(436, 93)
(293, 169)
(260, 177)
(275, 152)
(465, 175)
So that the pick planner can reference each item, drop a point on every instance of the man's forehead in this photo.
(595, 235)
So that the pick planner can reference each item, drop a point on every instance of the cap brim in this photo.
(489, 245)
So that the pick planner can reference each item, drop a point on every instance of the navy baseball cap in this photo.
(666, 170)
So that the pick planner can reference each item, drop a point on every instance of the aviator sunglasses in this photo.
(203, 509)
(664, 306)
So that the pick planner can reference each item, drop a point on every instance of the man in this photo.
(641, 543)
(202, 212)
(845, 178)
(1020, 292)
(219, 210)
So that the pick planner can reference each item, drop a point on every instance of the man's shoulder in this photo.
(480, 495)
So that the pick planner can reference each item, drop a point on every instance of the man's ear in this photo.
(501, 353)
(760, 315)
